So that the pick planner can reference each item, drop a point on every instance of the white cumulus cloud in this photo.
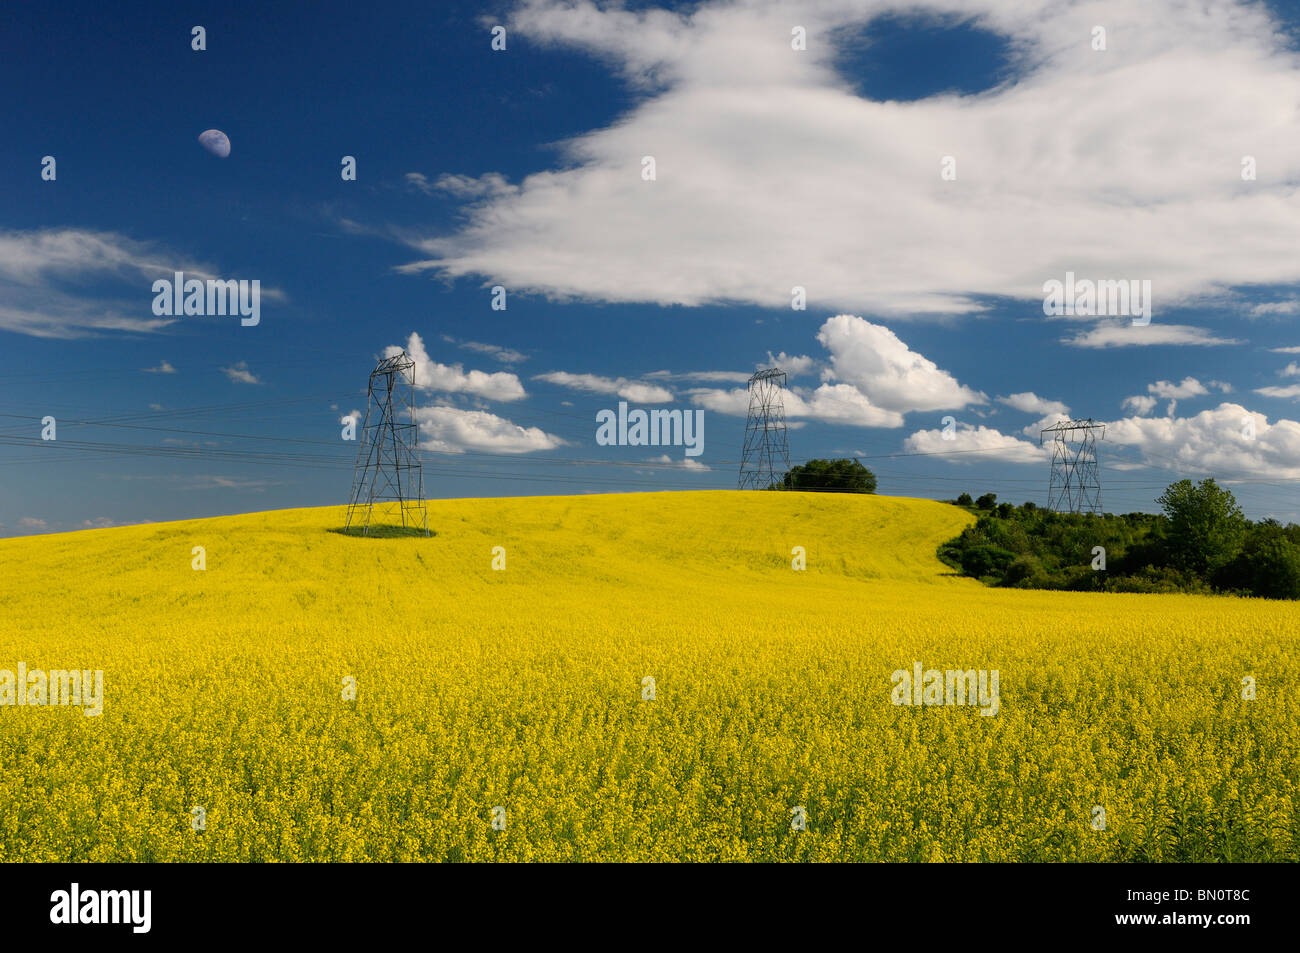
(1140, 404)
(772, 171)
(968, 444)
(871, 358)
(453, 430)
(454, 379)
(872, 380)
(1226, 442)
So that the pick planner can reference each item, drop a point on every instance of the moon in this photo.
(216, 142)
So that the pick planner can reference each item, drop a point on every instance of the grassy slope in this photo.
(522, 688)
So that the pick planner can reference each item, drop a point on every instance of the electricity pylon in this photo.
(766, 456)
(388, 469)
(1075, 483)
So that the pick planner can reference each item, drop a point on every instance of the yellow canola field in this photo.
(504, 714)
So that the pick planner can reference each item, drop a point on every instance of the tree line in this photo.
(1199, 542)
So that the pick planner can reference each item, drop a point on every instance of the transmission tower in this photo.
(1075, 485)
(388, 471)
(766, 456)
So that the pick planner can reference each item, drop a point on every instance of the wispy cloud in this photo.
(1290, 306)
(1291, 391)
(635, 391)
(72, 282)
(686, 463)
(702, 376)
(505, 355)
(1153, 334)
(793, 365)
(240, 374)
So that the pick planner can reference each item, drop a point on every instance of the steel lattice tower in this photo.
(766, 456)
(1075, 484)
(388, 467)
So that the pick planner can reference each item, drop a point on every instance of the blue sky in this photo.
(776, 167)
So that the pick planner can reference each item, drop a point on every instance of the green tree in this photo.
(987, 501)
(835, 476)
(965, 500)
(1268, 564)
(1206, 526)
(1274, 569)
(984, 560)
